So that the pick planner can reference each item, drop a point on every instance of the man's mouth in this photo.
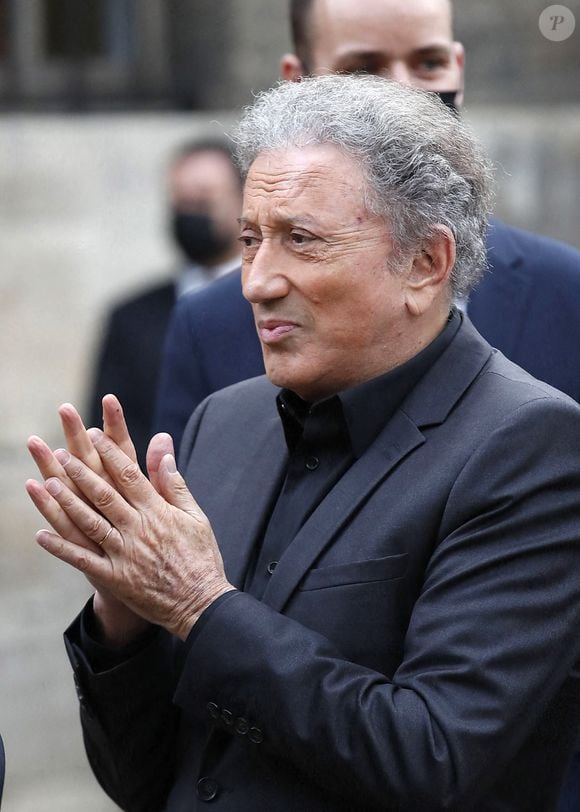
(273, 330)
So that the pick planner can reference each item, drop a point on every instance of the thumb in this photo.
(159, 446)
(173, 488)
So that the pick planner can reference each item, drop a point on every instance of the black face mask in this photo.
(197, 237)
(448, 97)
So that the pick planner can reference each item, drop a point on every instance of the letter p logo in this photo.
(557, 23)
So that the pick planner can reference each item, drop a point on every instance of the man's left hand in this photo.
(158, 553)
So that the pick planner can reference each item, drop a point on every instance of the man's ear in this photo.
(428, 279)
(291, 68)
(459, 57)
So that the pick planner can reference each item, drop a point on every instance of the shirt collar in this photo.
(195, 277)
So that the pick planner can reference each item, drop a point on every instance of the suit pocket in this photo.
(356, 572)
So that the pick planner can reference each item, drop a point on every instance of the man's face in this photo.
(328, 310)
(409, 41)
(206, 183)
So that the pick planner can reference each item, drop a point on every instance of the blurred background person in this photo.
(204, 195)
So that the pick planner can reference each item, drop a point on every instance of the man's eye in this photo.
(248, 240)
(300, 239)
(432, 65)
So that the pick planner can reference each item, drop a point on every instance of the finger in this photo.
(125, 474)
(94, 566)
(56, 517)
(159, 446)
(115, 426)
(174, 489)
(77, 440)
(45, 460)
(102, 498)
(90, 522)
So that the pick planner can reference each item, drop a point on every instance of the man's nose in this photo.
(263, 277)
(400, 72)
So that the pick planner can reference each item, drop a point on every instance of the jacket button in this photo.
(271, 567)
(227, 717)
(255, 735)
(213, 710)
(242, 726)
(312, 463)
(207, 789)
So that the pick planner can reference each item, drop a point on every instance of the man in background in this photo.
(204, 194)
(527, 305)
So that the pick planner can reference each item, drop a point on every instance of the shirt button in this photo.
(271, 567)
(242, 726)
(312, 463)
(207, 789)
(227, 717)
(255, 735)
(213, 710)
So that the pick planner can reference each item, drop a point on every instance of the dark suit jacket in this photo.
(129, 360)
(527, 306)
(416, 644)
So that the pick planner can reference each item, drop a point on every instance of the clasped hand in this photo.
(143, 544)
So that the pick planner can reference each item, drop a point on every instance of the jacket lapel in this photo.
(239, 528)
(428, 404)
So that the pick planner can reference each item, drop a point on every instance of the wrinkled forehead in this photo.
(294, 168)
(316, 180)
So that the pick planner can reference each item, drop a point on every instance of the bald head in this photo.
(410, 41)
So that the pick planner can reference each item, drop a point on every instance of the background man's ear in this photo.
(428, 279)
(291, 68)
(459, 56)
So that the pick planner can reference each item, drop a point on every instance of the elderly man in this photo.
(379, 606)
(527, 306)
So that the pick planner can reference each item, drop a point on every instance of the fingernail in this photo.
(53, 486)
(62, 456)
(95, 435)
(170, 463)
(42, 538)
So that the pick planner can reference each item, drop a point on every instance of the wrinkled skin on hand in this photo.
(160, 563)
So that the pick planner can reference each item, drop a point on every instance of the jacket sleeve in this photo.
(491, 642)
(129, 721)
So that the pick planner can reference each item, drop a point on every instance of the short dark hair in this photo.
(196, 145)
(300, 11)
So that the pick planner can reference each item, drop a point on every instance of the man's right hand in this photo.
(117, 623)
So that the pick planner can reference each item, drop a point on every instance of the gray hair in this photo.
(422, 166)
